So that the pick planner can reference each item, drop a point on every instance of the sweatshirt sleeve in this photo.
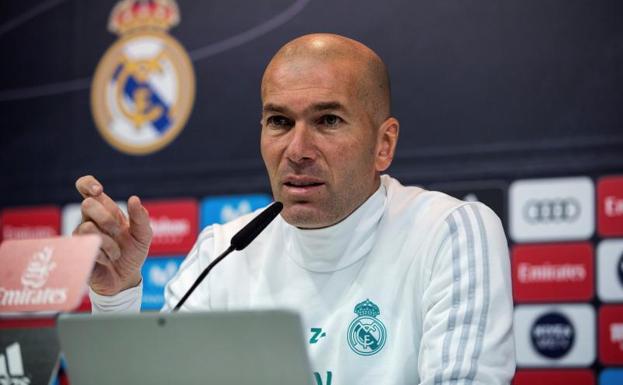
(127, 301)
(468, 308)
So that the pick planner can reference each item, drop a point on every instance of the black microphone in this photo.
(238, 242)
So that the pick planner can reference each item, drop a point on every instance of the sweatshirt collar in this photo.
(336, 247)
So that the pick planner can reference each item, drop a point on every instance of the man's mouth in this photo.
(302, 184)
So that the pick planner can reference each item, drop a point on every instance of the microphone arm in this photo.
(238, 242)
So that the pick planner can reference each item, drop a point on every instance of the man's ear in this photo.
(386, 140)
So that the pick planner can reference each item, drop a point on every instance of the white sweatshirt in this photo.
(413, 287)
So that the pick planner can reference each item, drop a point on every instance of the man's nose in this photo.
(301, 146)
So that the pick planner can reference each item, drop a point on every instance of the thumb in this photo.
(140, 229)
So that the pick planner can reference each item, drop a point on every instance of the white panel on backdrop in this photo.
(554, 335)
(71, 216)
(552, 209)
(610, 270)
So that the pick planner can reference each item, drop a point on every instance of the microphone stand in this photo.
(202, 276)
(238, 242)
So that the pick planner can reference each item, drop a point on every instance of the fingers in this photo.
(89, 186)
(108, 217)
(109, 248)
(94, 211)
(140, 227)
(111, 207)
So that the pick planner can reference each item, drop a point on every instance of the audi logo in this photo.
(551, 210)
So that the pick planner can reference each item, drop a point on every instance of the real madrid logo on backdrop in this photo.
(144, 86)
(366, 334)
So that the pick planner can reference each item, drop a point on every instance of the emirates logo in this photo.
(33, 280)
(38, 270)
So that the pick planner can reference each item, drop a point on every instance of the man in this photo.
(397, 285)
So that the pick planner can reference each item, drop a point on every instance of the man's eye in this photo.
(330, 120)
(278, 121)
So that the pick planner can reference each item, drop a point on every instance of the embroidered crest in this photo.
(366, 333)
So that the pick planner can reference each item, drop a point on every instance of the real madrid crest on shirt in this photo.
(144, 86)
(366, 334)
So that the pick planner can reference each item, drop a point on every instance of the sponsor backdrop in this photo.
(515, 104)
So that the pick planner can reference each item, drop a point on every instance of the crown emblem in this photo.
(137, 15)
(367, 308)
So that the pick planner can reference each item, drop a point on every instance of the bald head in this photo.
(360, 66)
(327, 133)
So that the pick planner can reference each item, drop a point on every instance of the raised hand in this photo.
(125, 241)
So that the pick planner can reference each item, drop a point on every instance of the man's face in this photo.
(318, 141)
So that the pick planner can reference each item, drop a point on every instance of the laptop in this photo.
(220, 348)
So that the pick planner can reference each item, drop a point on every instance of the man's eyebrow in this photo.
(269, 107)
(328, 106)
(322, 106)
